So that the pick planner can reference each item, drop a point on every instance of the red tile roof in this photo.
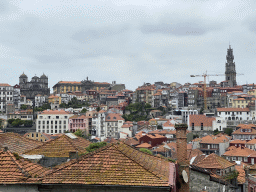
(211, 139)
(60, 147)
(115, 164)
(214, 161)
(113, 117)
(144, 145)
(241, 132)
(54, 112)
(15, 169)
(17, 143)
(233, 109)
(198, 119)
(240, 152)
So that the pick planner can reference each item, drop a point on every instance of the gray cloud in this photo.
(128, 41)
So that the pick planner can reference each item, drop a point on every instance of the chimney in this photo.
(183, 163)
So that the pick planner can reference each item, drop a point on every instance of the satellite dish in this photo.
(185, 176)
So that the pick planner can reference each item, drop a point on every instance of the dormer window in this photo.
(108, 117)
(114, 118)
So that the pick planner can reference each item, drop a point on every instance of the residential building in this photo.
(201, 124)
(241, 154)
(43, 137)
(152, 139)
(214, 144)
(16, 96)
(113, 125)
(54, 101)
(211, 173)
(22, 114)
(80, 122)
(244, 132)
(53, 121)
(40, 100)
(6, 96)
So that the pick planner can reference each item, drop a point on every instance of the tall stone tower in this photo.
(230, 72)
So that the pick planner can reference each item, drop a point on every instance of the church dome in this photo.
(43, 76)
(23, 75)
(35, 77)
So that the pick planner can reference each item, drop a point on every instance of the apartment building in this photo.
(53, 121)
(113, 125)
(6, 96)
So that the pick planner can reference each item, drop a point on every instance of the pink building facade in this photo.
(78, 122)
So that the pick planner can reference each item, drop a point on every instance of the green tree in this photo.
(146, 151)
(98, 109)
(159, 127)
(10, 121)
(84, 110)
(79, 133)
(147, 106)
(28, 123)
(17, 123)
(228, 131)
(23, 107)
(93, 146)
(63, 105)
(216, 132)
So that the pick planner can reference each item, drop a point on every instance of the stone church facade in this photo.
(37, 85)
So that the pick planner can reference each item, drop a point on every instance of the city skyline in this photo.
(128, 42)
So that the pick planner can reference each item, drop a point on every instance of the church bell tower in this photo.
(230, 72)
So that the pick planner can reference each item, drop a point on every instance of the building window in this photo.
(193, 126)
(57, 117)
(202, 126)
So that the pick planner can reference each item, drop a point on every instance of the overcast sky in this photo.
(131, 42)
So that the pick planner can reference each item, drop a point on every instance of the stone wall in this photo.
(199, 181)
(20, 188)
(88, 188)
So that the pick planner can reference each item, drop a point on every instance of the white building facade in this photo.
(53, 121)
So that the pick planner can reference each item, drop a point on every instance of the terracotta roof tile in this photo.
(17, 143)
(60, 147)
(114, 164)
(198, 119)
(233, 109)
(240, 152)
(214, 161)
(15, 169)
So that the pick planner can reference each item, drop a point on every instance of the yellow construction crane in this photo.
(205, 75)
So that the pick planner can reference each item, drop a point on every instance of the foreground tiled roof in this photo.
(115, 164)
(214, 161)
(60, 147)
(17, 143)
(15, 170)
